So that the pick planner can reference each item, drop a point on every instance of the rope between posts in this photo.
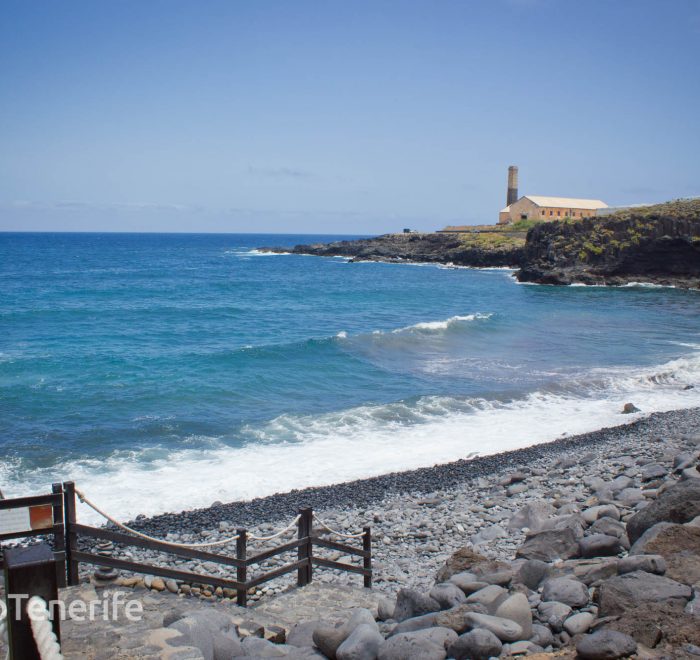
(336, 532)
(280, 533)
(95, 508)
(44, 636)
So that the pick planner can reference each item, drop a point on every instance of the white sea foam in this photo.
(255, 253)
(296, 451)
(443, 325)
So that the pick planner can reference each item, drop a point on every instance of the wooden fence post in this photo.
(69, 513)
(304, 574)
(367, 561)
(59, 537)
(242, 571)
(29, 571)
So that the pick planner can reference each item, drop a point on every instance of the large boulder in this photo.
(490, 597)
(578, 623)
(447, 595)
(550, 545)
(632, 589)
(679, 504)
(505, 629)
(262, 648)
(565, 590)
(532, 572)
(476, 645)
(362, 644)
(649, 563)
(429, 644)
(517, 608)
(599, 545)
(410, 603)
(301, 634)
(459, 562)
(679, 546)
(605, 645)
(553, 614)
(213, 633)
(659, 626)
(531, 516)
(328, 639)
(573, 521)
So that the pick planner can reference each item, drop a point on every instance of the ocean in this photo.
(164, 372)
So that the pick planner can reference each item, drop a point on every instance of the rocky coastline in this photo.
(588, 545)
(657, 245)
(438, 248)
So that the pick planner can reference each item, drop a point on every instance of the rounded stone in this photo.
(565, 590)
(578, 623)
(476, 645)
(605, 645)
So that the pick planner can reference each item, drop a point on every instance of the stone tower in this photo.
(512, 195)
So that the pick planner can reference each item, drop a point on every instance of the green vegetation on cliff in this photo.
(659, 243)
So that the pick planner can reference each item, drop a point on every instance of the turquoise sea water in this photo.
(166, 364)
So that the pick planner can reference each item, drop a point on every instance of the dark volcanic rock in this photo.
(410, 603)
(459, 562)
(678, 549)
(679, 504)
(431, 248)
(632, 589)
(550, 545)
(659, 244)
(606, 645)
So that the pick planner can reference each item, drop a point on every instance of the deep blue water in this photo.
(163, 362)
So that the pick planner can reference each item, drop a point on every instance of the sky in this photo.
(338, 117)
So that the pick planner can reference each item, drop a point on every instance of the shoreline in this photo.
(369, 491)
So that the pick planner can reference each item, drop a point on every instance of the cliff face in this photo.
(657, 244)
(435, 248)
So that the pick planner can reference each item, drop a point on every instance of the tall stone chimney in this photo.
(512, 185)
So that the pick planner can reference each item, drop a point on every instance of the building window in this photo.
(551, 213)
(559, 213)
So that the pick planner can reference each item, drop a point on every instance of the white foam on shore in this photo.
(295, 451)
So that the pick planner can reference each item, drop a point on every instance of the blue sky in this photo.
(338, 117)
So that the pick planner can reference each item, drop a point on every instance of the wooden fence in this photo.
(77, 534)
(34, 516)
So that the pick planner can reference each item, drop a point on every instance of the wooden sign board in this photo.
(26, 519)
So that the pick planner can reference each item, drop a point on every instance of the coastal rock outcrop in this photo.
(658, 244)
(439, 248)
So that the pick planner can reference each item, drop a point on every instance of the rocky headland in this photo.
(657, 244)
(481, 250)
(586, 547)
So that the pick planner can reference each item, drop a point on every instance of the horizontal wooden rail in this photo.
(292, 545)
(56, 529)
(185, 576)
(327, 563)
(77, 535)
(276, 573)
(137, 541)
(32, 500)
(333, 545)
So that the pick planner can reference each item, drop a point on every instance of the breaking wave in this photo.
(297, 451)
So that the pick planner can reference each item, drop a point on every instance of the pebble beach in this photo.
(419, 518)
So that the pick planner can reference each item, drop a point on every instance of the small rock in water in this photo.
(630, 408)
